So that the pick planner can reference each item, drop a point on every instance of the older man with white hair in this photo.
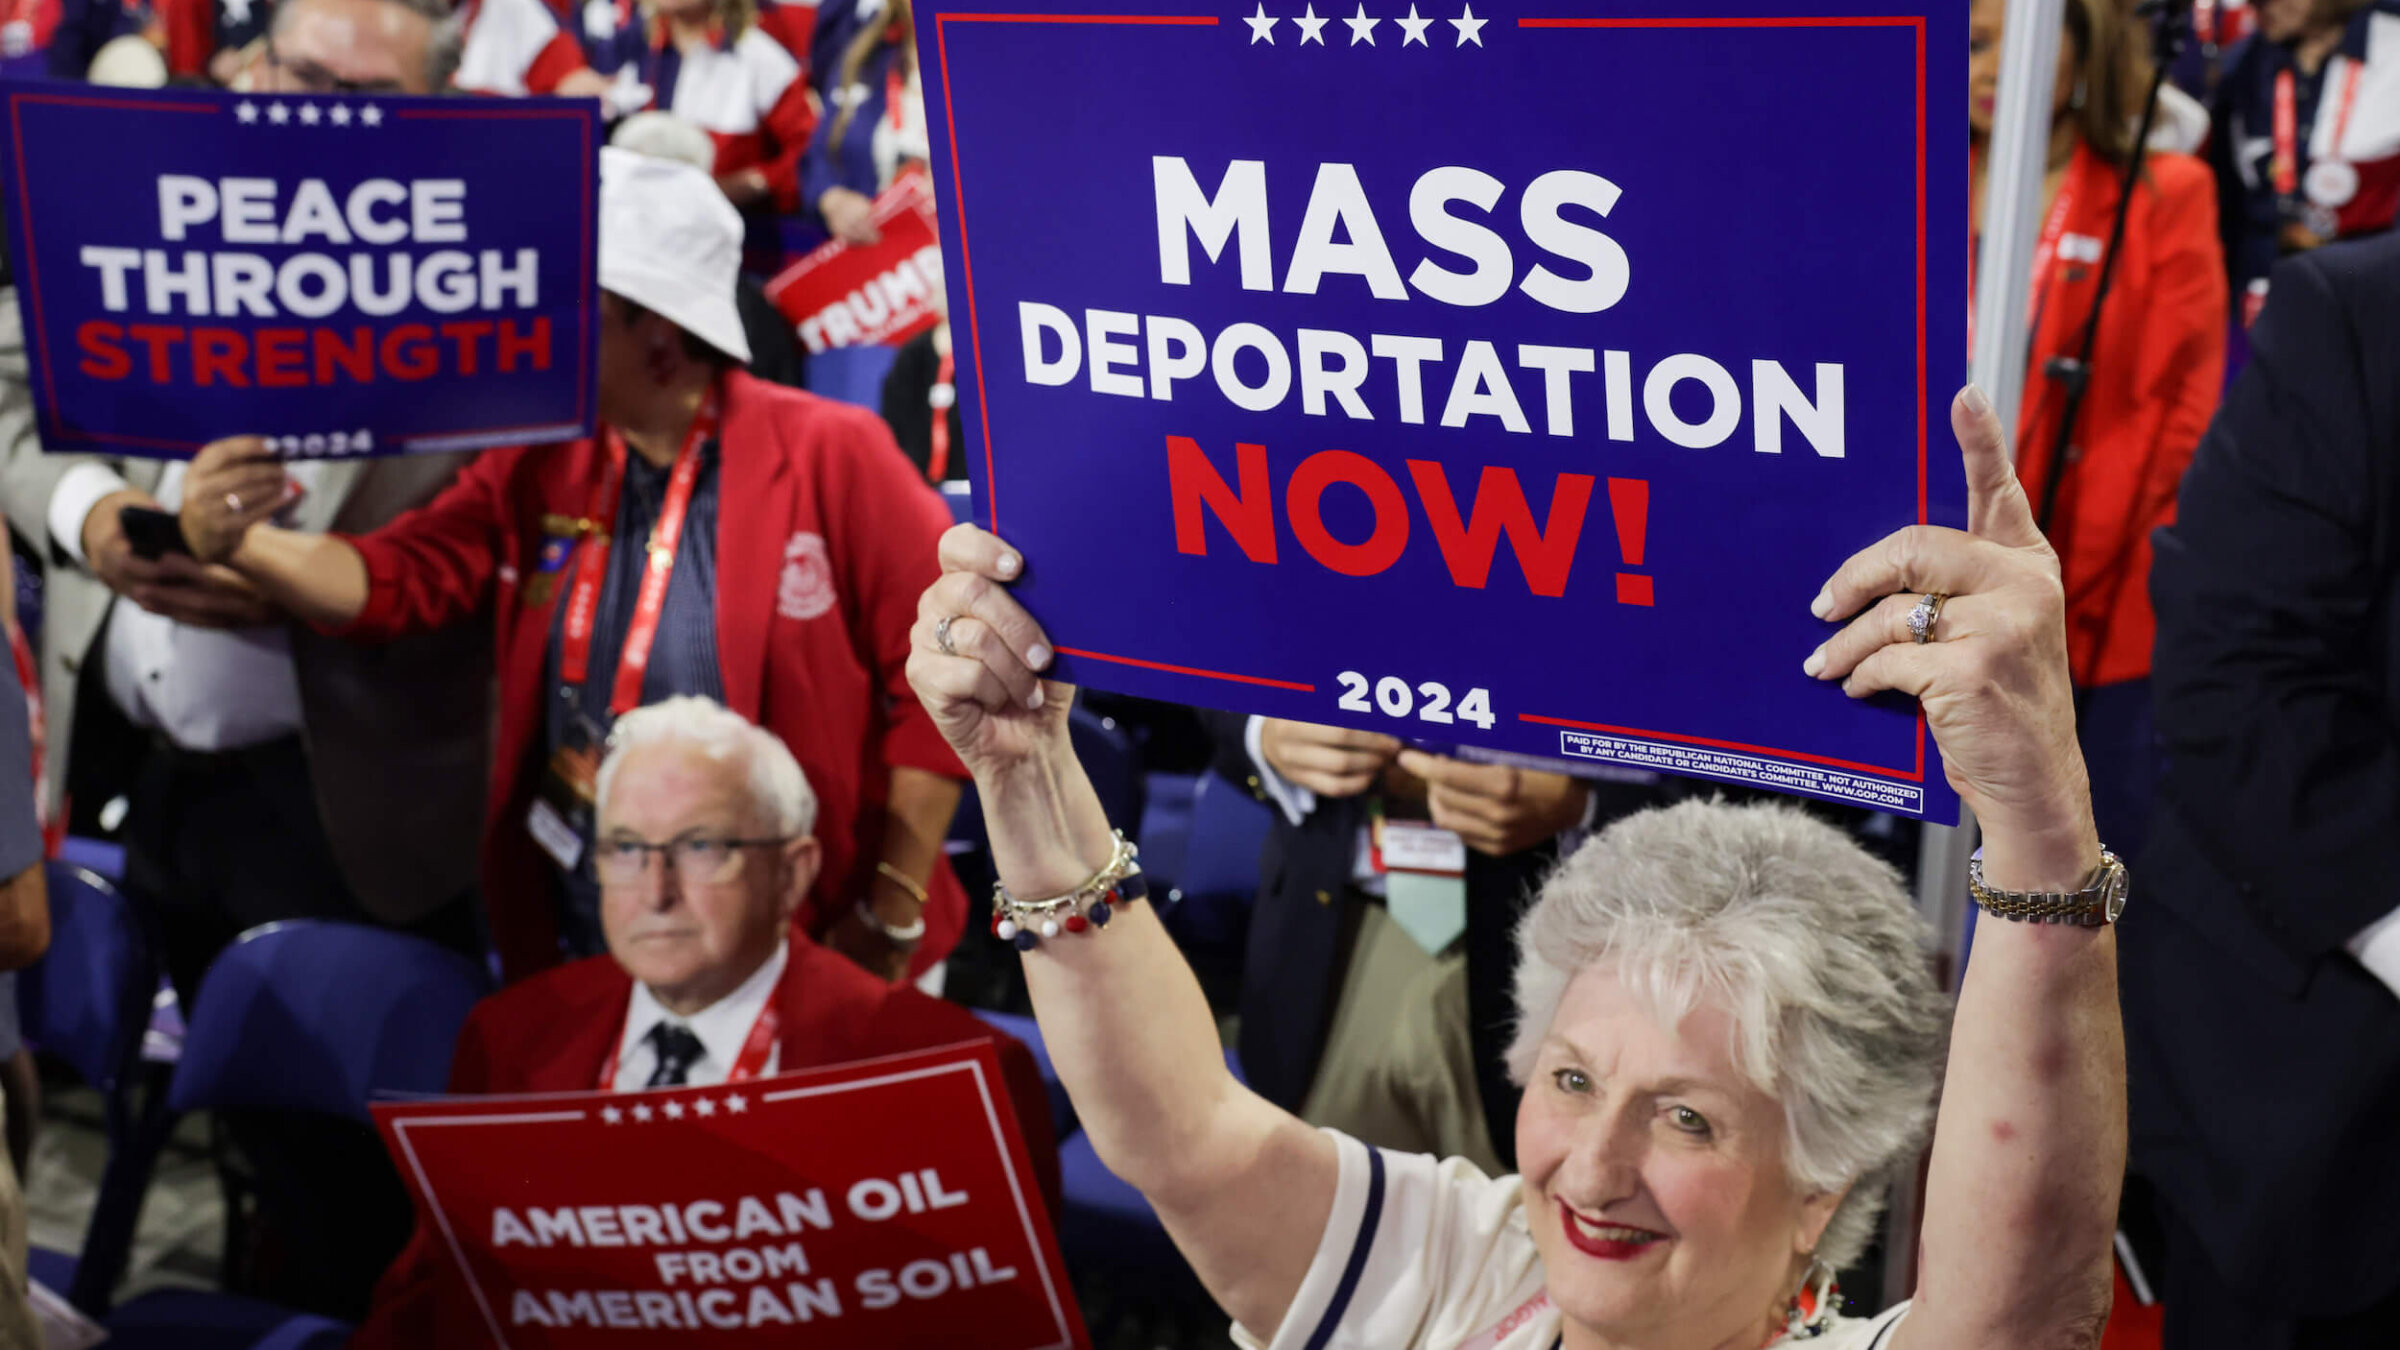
(719, 536)
(704, 857)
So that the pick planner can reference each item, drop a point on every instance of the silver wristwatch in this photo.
(2100, 901)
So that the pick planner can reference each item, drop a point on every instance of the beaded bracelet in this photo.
(1026, 922)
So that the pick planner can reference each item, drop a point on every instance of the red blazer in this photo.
(826, 537)
(554, 1032)
(2156, 374)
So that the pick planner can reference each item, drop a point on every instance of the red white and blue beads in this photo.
(1024, 924)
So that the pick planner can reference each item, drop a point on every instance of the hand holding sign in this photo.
(976, 655)
(233, 485)
(1993, 680)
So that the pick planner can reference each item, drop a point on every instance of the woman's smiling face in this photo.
(1655, 1179)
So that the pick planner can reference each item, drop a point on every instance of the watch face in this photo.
(2120, 888)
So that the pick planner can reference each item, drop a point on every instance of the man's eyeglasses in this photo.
(315, 79)
(698, 860)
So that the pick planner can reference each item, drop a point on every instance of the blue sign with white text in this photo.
(1505, 374)
(343, 275)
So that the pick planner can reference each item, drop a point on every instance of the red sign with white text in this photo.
(884, 1203)
(844, 295)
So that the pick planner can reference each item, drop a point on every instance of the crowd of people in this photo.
(670, 726)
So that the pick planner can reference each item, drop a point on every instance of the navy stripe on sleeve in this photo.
(1886, 1333)
(1359, 1249)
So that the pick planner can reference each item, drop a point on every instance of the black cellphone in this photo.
(152, 533)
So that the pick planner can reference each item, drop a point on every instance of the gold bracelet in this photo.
(904, 881)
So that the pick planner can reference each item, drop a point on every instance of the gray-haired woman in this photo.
(1728, 1038)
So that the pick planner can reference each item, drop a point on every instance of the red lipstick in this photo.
(1606, 1249)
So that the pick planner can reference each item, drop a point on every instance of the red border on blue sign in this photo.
(975, 332)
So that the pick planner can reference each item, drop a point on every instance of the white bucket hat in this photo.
(671, 243)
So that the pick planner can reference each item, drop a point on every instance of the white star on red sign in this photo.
(1470, 28)
(1312, 28)
(641, 1113)
(1362, 28)
(1262, 28)
(612, 1115)
(1412, 28)
(674, 1110)
(737, 1104)
(704, 1107)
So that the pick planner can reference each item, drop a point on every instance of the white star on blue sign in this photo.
(1362, 28)
(1412, 28)
(1262, 28)
(1470, 28)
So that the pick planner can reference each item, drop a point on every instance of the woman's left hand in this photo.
(230, 486)
(1993, 678)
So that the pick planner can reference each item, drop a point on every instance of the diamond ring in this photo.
(941, 635)
(1927, 613)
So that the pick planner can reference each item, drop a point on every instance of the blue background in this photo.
(1769, 211)
(90, 178)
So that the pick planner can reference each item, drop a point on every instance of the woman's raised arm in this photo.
(2029, 1148)
(1243, 1187)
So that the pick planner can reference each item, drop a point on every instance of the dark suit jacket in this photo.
(551, 1033)
(1299, 939)
(2265, 1061)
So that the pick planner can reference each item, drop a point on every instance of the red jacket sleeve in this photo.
(434, 566)
(788, 126)
(889, 549)
(560, 57)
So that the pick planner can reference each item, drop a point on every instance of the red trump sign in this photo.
(882, 1203)
(884, 293)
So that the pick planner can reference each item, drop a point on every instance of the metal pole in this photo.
(2015, 161)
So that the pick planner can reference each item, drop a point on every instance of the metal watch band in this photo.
(2097, 904)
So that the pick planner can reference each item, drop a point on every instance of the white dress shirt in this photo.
(722, 1027)
(205, 688)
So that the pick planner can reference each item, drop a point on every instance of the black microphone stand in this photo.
(2174, 21)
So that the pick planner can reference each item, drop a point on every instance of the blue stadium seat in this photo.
(315, 1015)
(306, 1015)
(851, 374)
(191, 1319)
(1166, 833)
(93, 855)
(1217, 878)
(1062, 1111)
(87, 1003)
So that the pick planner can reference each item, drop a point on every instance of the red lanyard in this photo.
(2287, 124)
(751, 1063)
(2204, 22)
(940, 398)
(591, 564)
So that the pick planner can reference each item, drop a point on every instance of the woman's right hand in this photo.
(985, 693)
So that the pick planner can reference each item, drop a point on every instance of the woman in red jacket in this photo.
(2154, 377)
(722, 536)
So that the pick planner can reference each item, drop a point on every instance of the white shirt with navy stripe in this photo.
(1430, 1254)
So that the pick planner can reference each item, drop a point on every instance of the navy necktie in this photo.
(678, 1050)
